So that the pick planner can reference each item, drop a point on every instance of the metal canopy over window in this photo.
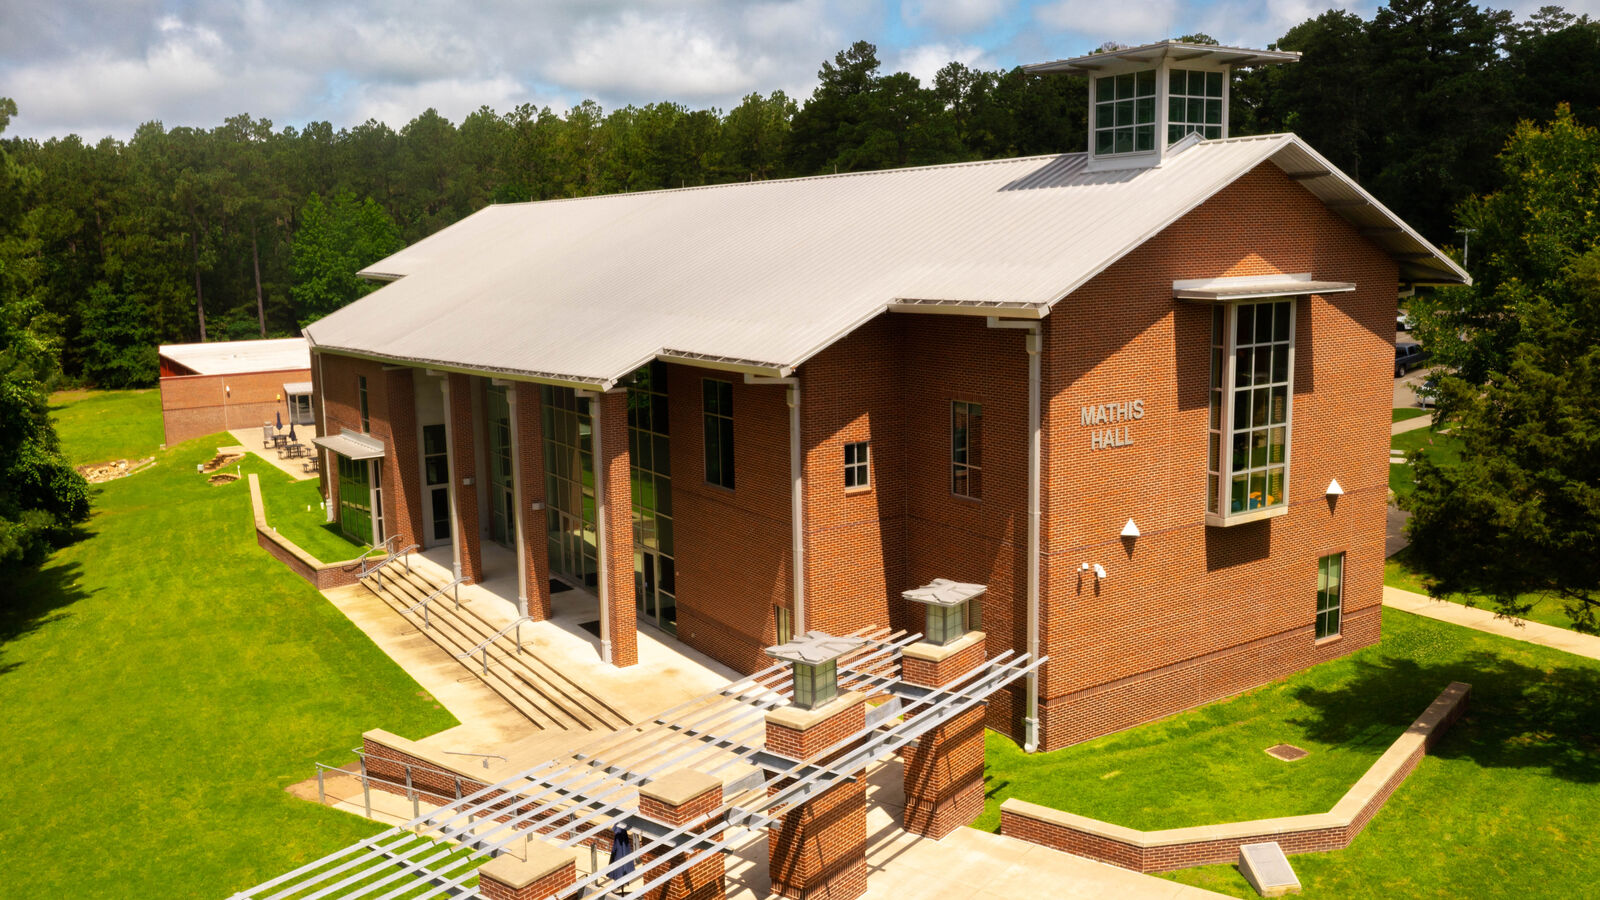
(351, 445)
(1224, 290)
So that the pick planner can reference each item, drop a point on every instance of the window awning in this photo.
(351, 445)
(297, 387)
(1250, 287)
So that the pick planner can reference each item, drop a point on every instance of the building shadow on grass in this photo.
(37, 597)
(1518, 716)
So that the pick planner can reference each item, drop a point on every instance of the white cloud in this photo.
(953, 16)
(454, 98)
(1100, 21)
(671, 56)
(926, 60)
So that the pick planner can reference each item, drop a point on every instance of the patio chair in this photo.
(268, 438)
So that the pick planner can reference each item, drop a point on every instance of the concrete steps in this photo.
(535, 688)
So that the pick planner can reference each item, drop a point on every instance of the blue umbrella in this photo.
(291, 432)
(621, 846)
(280, 420)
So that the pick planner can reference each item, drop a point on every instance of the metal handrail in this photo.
(412, 793)
(366, 554)
(485, 756)
(484, 646)
(454, 586)
(404, 553)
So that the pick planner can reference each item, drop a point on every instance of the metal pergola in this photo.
(581, 796)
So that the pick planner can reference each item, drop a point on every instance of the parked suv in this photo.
(1407, 356)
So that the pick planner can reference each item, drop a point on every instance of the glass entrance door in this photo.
(502, 505)
(436, 484)
(569, 485)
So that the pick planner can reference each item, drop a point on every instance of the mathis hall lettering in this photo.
(1116, 415)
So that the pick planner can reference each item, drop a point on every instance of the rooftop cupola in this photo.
(1144, 100)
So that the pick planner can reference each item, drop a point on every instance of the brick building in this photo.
(223, 385)
(740, 412)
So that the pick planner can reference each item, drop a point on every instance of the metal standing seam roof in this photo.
(351, 445)
(766, 274)
(236, 357)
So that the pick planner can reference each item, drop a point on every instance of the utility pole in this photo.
(1466, 238)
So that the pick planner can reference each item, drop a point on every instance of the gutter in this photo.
(1033, 340)
(796, 495)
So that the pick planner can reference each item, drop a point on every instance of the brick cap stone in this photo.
(680, 787)
(543, 858)
(936, 653)
(796, 719)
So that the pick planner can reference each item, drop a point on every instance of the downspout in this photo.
(796, 495)
(1030, 720)
(513, 396)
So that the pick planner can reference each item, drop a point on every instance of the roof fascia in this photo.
(971, 308)
(555, 380)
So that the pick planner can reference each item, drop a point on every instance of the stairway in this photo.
(535, 688)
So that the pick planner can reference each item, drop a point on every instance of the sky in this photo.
(103, 67)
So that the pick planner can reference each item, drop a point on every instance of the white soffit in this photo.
(298, 387)
(1250, 287)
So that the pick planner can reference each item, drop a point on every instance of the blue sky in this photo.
(102, 67)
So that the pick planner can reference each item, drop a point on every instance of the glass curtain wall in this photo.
(502, 510)
(356, 512)
(654, 569)
(569, 485)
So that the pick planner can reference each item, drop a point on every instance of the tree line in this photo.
(247, 230)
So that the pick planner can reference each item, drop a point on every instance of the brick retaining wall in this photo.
(1180, 848)
(321, 575)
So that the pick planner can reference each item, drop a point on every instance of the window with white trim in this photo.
(1194, 103)
(1125, 113)
(1252, 392)
(1330, 590)
(857, 473)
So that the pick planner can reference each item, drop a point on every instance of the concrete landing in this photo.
(250, 440)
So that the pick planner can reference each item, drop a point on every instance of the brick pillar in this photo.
(402, 475)
(819, 849)
(685, 797)
(612, 471)
(546, 870)
(464, 468)
(529, 430)
(944, 772)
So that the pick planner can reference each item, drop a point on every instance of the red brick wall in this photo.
(733, 547)
(196, 405)
(530, 471)
(1190, 613)
(402, 478)
(391, 414)
(612, 467)
(463, 454)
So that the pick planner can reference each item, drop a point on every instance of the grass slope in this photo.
(163, 679)
(1402, 413)
(294, 508)
(1504, 808)
(107, 425)
(1443, 449)
(1398, 572)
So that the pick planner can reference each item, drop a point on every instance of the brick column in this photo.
(402, 474)
(944, 772)
(685, 797)
(819, 849)
(464, 468)
(546, 869)
(612, 472)
(529, 430)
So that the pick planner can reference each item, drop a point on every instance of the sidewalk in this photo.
(1412, 424)
(250, 439)
(1484, 620)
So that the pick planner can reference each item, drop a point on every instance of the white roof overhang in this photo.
(1250, 287)
(297, 387)
(758, 278)
(1128, 57)
(351, 445)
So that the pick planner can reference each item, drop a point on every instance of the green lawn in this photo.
(1443, 449)
(1402, 413)
(162, 680)
(1504, 808)
(1398, 572)
(294, 508)
(107, 425)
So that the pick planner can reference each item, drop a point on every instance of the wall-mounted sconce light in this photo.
(1099, 571)
(536, 505)
(1130, 530)
(1334, 490)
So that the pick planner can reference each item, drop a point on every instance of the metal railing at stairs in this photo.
(454, 586)
(366, 560)
(483, 647)
(412, 792)
(402, 555)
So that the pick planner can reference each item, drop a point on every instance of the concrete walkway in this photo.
(1486, 621)
(1413, 424)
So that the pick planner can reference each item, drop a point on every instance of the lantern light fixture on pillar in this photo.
(952, 607)
(814, 657)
